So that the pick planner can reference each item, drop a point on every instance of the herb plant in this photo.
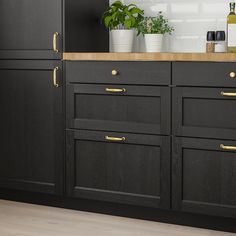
(155, 25)
(120, 16)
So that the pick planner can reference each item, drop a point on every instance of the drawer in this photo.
(113, 72)
(213, 74)
(204, 112)
(119, 167)
(204, 176)
(135, 109)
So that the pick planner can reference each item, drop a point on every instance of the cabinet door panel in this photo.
(31, 140)
(134, 171)
(204, 112)
(27, 28)
(139, 109)
(204, 176)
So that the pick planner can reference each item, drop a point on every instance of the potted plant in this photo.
(122, 20)
(153, 29)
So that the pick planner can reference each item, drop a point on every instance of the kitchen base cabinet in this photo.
(119, 167)
(204, 176)
(31, 139)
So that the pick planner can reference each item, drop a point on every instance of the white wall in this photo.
(190, 18)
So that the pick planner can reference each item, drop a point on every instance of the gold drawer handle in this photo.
(114, 90)
(114, 72)
(228, 148)
(232, 74)
(115, 139)
(55, 42)
(228, 94)
(55, 77)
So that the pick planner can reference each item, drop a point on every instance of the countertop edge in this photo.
(217, 57)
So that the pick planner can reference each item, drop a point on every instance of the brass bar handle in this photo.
(55, 49)
(55, 83)
(228, 94)
(228, 148)
(114, 90)
(115, 139)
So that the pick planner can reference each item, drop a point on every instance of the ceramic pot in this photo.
(153, 42)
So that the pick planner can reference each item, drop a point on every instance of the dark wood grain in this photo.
(204, 112)
(130, 172)
(212, 74)
(140, 109)
(31, 140)
(99, 72)
(204, 177)
(29, 26)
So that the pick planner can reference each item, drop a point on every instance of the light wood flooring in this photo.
(19, 219)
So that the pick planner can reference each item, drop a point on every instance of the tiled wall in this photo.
(190, 18)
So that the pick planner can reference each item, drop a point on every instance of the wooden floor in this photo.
(19, 219)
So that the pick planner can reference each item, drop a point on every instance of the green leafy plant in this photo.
(120, 16)
(155, 25)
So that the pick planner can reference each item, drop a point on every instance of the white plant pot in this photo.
(153, 42)
(122, 40)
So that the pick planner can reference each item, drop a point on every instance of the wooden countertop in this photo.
(150, 57)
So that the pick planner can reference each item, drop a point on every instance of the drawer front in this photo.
(119, 167)
(113, 72)
(213, 74)
(204, 176)
(121, 108)
(204, 112)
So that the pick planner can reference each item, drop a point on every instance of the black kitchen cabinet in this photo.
(204, 112)
(204, 176)
(44, 29)
(121, 108)
(28, 29)
(119, 167)
(31, 140)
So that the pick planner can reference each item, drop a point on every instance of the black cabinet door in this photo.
(204, 112)
(31, 138)
(28, 27)
(137, 109)
(204, 176)
(119, 167)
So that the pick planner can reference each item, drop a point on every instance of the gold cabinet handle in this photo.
(115, 139)
(55, 77)
(55, 42)
(114, 72)
(228, 94)
(115, 90)
(228, 148)
(232, 74)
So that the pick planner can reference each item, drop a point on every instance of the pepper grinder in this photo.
(220, 45)
(210, 45)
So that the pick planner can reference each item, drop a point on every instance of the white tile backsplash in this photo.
(190, 18)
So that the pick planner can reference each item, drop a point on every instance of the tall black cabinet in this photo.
(34, 34)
